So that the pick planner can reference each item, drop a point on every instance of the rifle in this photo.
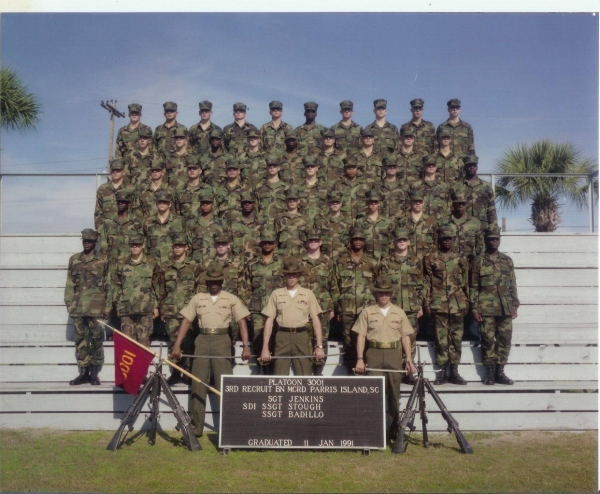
(407, 416)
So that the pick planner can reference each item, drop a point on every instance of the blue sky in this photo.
(520, 77)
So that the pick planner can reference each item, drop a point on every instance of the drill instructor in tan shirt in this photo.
(291, 307)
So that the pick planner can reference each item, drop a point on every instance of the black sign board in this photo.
(334, 412)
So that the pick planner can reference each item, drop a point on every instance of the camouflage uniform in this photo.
(201, 234)
(395, 200)
(407, 277)
(213, 166)
(331, 164)
(106, 204)
(138, 167)
(469, 235)
(273, 139)
(370, 167)
(145, 198)
(270, 198)
(313, 198)
(199, 137)
(291, 227)
(493, 294)
(463, 140)
(410, 166)
(228, 199)
(138, 289)
(87, 299)
(181, 284)
(425, 139)
(386, 137)
(450, 167)
(235, 135)
(481, 203)
(378, 240)
(177, 164)
(245, 231)
(159, 235)
(446, 275)
(164, 136)
(187, 200)
(436, 196)
(351, 293)
(309, 135)
(115, 233)
(353, 196)
(334, 234)
(127, 137)
(252, 165)
(292, 167)
(347, 138)
(421, 233)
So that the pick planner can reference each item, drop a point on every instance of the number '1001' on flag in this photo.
(131, 364)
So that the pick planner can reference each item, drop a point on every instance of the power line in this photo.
(56, 162)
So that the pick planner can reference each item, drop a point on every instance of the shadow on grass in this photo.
(145, 433)
(417, 441)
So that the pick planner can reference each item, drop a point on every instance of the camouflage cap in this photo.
(162, 195)
(350, 163)
(253, 133)
(328, 133)
(446, 232)
(292, 193)
(416, 195)
(89, 234)
(311, 105)
(373, 195)
(291, 265)
(400, 233)
(206, 195)
(232, 163)
(180, 131)
(458, 195)
(273, 159)
(179, 239)
(334, 196)
(383, 283)
(471, 159)
(367, 132)
(214, 272)
(122, 196)
(347, 105)
(145, 132)
(275, 104)
(222, 238)
(313, 234)
(357, 232)
(117, 164)
(310, 161)
(291, 134)
(240, 106)
(192, 161)
(492, 232)
(247, 196)
(205, 105)
(216, 134)
(136, 238)
(445, 132)
(134, 107)
(417, 103)
(391, 160)
(268, 235)
(170, 105)
(453, 102)
(158, 164)
(380, 103)
(430, 159)
(407, 131)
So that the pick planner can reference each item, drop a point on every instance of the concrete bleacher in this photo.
(554, 359)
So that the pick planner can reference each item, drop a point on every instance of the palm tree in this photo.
(544, 193)
(19, 109)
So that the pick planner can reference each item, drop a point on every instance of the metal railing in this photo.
(492, 179)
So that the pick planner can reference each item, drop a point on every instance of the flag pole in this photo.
(166, 361)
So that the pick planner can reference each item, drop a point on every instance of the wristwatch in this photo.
(246, 344)
(319, 346)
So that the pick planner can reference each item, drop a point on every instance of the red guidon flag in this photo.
(131, 364)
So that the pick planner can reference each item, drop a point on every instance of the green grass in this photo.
(51, 461)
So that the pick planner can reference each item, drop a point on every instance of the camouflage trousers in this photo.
(388, 358)
(496, 336)
(89, 335)
(139, 327)
(349, 338)
(448, 337)
(218, 345)
(414, 322)
(292, 344)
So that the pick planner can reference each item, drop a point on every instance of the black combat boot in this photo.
(501, 377)
(442, 377)
(489, 376)
(82, 378)
(94, 380)
(455, 377)
(174, 378)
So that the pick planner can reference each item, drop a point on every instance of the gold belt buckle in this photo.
(293, 330)
(386, 344)
(212, 331)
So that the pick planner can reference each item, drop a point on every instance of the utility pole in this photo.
(111, 107)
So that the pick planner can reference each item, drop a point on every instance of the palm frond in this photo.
(20, 110)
